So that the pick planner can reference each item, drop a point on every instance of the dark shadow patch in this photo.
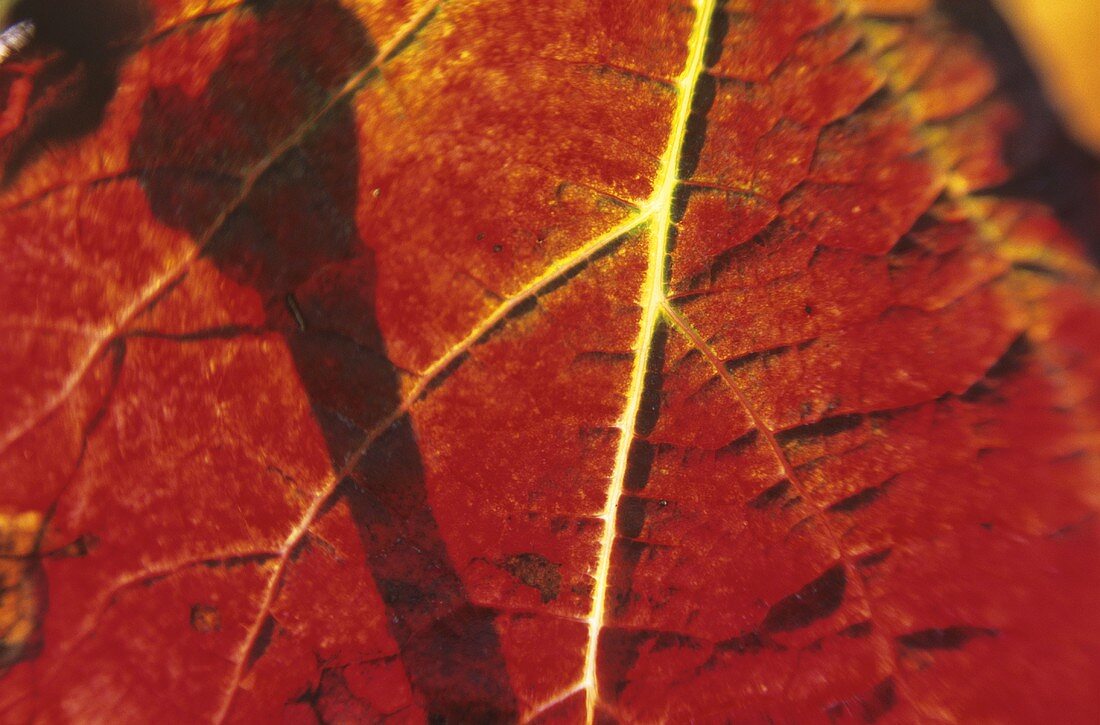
(738, 255)
(859, 630)
(1012, 360)
(944, 638)
(822, 429)
(296, 234)
(740, 445)
(681, 197)
(771, 495)
(874, 558)
(790, 503)
(443, 375)
(625, 557)
(763, 357)
(639, 464)
(706, 86)
(649, 408)
(869, 707)
(1008, 364)
(603, 253)
(630, 516)
(1073, 529)
(817, 600)
(449, 646)
(261, 643)
(227, 332)
(617, 653)
(604, 357)
(860, 500)
(522, 308)
(536, 571)
(235, 562)
(716, 35)
(695, 133)
(876, 102)
(83, 45)
(23, 594)
(79, 547)
(745, 644)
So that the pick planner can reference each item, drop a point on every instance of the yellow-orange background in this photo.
(1061, 38)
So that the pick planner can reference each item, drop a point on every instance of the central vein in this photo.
(652, 299)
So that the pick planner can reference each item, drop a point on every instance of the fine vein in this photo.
(652, 301)
(156, 286)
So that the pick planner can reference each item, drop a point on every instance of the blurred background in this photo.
(1062, 40)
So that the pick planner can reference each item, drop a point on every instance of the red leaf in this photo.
(483, 361)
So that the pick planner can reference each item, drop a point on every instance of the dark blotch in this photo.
(297, 225)
(450, 369)
(536, 571)
(625, 557)
(86, 44)
(695, 135)
(1008, 364)
(858, 630)
(630, 517)
(619, 650)
(821, 429)
(869, 707)
(262, 642)
(860, 500)
(882, 699)
(816, 600)
(523, 308)
(639, 463)
(771, 495)
(945, 638)
(745, 644)
(874, 558)
(650, 407)
(705, 90)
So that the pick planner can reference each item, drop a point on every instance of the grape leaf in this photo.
(460, 360)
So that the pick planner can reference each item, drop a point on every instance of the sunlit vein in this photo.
(652, 299)
(553, 701)
(553, 273)
(659, 209)
(106, 597)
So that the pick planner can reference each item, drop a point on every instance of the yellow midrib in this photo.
(652, 300)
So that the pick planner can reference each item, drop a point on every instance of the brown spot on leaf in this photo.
(205, 618)
(535, 570)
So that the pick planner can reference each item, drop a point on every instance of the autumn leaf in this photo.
(469, 361)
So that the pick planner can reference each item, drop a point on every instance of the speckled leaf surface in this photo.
(466, 361)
